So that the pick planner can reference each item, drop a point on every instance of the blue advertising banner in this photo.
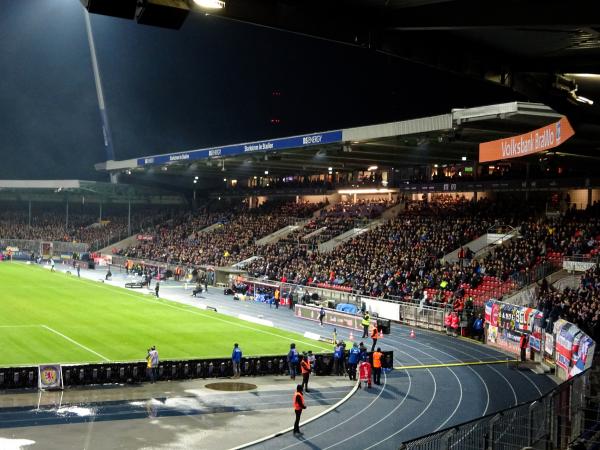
(306, 140)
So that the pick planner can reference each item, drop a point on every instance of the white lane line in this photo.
(472, 347)
(509, 385)
(457, 405)
(318, 416)
(531, 381)
(490, 366)
(409, 423)
(435, 390)
(399, 342)
(75, 342)
(386, 416)
(198, 313)
(396, 408)
(352, 416)
(474, 371)
(487, 392)
(374, 400)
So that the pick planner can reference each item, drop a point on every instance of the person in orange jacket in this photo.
(305, 369)
(299, 405)
(374, 336)
(377, 355)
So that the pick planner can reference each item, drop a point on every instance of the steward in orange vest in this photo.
(377, 355)
(305, 369)
(374, 336)
(299, 405)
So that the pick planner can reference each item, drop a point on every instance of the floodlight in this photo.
(210, 4)
(582, 99)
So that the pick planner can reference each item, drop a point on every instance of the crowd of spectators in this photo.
(51, 226)
(397, 258)
(404, 256)
(232, 240)
(337, 219)
(579, 305)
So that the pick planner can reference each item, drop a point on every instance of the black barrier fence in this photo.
(136, 372)
(553, 421)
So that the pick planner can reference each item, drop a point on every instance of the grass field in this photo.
(53, 317)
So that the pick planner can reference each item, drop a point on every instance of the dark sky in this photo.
(209, 83)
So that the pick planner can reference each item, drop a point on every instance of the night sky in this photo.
(209, 83)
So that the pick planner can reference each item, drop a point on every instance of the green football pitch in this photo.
(51, 317)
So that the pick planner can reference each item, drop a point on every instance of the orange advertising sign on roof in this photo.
(535, 141)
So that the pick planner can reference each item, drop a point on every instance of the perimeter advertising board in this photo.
(332, 317)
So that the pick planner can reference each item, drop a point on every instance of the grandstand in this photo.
(461, 237)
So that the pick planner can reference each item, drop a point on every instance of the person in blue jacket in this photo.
(353, 358)
(321, 315)
(338, 356)
(236, 359)
(478, 328)
(363, 352)
(292, 359)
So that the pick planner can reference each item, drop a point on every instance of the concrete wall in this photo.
(468, 195)
(580, 197)
(127, 242)
(369, 197)
(332, 198)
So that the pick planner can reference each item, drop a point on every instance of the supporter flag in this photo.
(582, 358)
(488, 311)
(495, 314)
(535, 338)
(564, 344)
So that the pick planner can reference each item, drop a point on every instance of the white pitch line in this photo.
(75, 342)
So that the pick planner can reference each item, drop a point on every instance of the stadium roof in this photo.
(537, 49)
(443, 139)
(92, 191)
